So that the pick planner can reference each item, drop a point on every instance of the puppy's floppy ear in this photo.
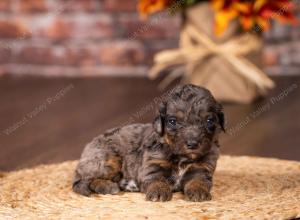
(159, 121)
(221, 117)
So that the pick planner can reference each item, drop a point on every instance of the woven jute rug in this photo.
(244, 188)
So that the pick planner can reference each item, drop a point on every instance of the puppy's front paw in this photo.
(195, 192)
(82, 187)
(104, 186)
(158, 192)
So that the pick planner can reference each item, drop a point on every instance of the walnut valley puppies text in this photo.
(38, 109)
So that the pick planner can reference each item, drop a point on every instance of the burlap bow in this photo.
(196, 47)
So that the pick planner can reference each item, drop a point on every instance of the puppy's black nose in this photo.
(192, 144)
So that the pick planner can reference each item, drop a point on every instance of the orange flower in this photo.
(146, 7)
(251, 13)
(262, 11)
(226, 11)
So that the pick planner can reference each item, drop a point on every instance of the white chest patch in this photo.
(129, 185)
(178, 177)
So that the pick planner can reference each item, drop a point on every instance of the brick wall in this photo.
(282, 49)
(104, 37)
(76, 37)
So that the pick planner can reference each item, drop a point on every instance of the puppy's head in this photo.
(190, 121)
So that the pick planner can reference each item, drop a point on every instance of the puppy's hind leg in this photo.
(107, 183)
(104, 186)
(99, 171)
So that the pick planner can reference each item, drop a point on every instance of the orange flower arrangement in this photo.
(256, 13)
(146, 7)
(252, 13)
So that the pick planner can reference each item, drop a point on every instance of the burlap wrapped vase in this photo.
(228, 65)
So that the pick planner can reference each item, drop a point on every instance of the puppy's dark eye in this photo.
(211, 123)
(172, 121)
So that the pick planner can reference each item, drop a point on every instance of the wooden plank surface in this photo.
(47, 120)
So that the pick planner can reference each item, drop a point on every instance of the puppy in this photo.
(177, 152)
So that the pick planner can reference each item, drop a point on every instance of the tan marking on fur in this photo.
(114, 162)
(206, 166)
(162, 163)
(104, 186)
(197, 184)
(168, 140)
(180, 114)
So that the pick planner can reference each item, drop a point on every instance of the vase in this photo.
(214, 72)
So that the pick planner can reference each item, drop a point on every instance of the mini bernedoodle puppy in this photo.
(177, 152)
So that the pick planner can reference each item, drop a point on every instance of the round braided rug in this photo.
(244, 188)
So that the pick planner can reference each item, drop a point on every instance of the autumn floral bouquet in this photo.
(250, 13)
(220, 47)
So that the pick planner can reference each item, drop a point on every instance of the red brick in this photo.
(14, 29)
(34, 55)
(5, 53)
(93, 27)
(76, 27)
(159, 26)
(5, 5)
(119, 6)
(79, 56)
(58, 29)
(31, 6)
(122, 53)
(270, 57)
(74, 5)
(58, 55)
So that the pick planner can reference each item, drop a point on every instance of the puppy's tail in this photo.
(81, 186)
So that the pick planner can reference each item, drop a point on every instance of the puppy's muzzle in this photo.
(192, 145)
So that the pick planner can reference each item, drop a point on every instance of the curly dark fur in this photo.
(177, 152)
